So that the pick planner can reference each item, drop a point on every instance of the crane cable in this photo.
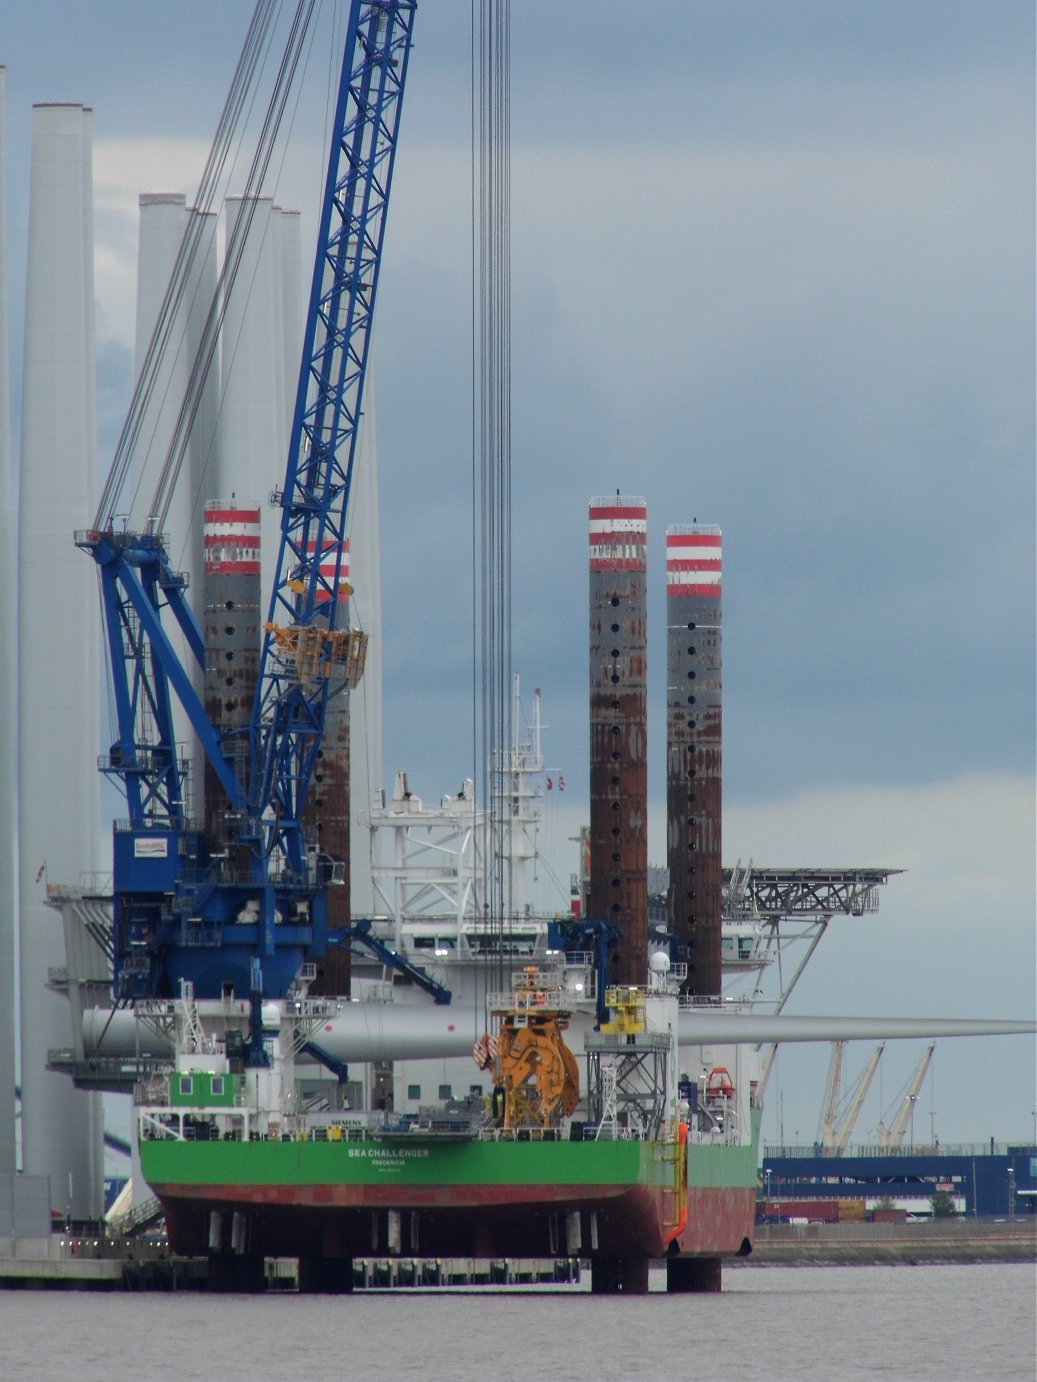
(239, 101)
(209, 189)
(491, 450)
(283, 87)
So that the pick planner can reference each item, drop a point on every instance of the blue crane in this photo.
(179, 912)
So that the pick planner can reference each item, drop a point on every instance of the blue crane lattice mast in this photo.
(180, 912)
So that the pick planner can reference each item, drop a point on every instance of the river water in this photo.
(772, 1323)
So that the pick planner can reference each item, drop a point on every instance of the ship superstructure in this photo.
(431, 862)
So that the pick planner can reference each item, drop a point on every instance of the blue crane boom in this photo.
(180, 912)
(288, 719)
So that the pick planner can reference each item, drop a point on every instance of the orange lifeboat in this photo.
(719, 1083)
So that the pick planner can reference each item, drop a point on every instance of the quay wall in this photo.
(953, 1240)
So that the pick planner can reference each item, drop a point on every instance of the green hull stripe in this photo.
(470, 1163)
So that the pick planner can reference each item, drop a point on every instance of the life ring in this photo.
(719, 1082)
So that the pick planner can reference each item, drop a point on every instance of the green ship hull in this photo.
(431, 1196)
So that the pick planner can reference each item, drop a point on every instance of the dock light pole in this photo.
(914, 1100)
(768, 1207)
(1011, 1193)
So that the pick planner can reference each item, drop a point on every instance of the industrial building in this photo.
(994, 1179)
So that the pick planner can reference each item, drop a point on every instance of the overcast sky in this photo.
(772, 267)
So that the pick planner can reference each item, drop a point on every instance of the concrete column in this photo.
(365, 729)
(58, 643)
(8, 714)
(251, 447)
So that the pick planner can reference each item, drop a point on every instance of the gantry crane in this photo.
(176, 900)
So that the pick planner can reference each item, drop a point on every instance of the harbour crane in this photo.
(836, 1132)
(892, 1137)
(833, 1085)
(180, 903)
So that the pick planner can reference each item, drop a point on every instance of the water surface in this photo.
(802, 1323)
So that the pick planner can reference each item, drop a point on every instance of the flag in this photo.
(550, 784)
(41, 870)
(561, 784)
